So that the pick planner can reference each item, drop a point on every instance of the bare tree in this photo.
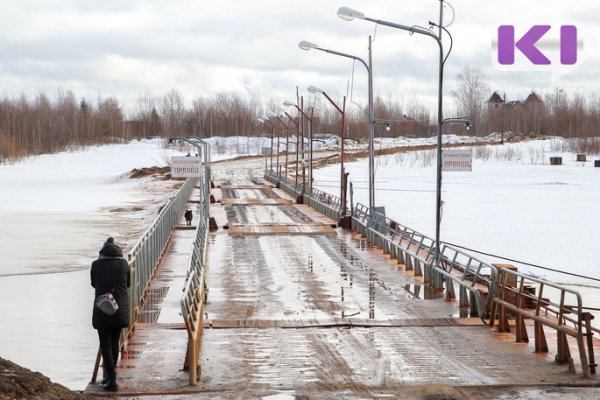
(172, 110)
(471, 93)
(110, 119)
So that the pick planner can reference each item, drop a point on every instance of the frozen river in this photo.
(512, 204)
(56, 212)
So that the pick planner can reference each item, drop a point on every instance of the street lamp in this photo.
(310, 135)
(459, 120)
(314, 89)
(265, 120)
(349, 14)
(287, 131)
(305, 45)
(273, 115)
(293, 120)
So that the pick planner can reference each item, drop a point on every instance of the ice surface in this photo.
(513, 204)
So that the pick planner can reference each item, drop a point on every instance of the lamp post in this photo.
(342, 110)
(287, 131)
(266, 121)
(304, 45)
(287, 103)
(310, 135)
(349, 14)
(297, 141)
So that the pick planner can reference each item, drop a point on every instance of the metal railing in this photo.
(360, 219)
(194, 293)
(547, 304)
(385, 232)
(192, 305)
(325, 203)
(286, 185)
(489, 292)
(145, 255)
(475, 278)
(290, 187)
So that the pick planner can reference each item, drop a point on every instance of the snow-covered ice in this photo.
(56, 210)
(513, 203)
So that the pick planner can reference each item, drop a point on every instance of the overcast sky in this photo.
(125, 47)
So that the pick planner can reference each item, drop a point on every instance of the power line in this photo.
(383, 189)
(525, 263)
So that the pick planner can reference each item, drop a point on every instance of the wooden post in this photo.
(509, 283)
(522, 336)
(587, 317)
(541, 346)
(563, 354)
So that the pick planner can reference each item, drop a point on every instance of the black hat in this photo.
(110, 249)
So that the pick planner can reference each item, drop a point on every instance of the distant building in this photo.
(522, 116)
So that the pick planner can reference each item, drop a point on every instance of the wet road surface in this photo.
(323, 316)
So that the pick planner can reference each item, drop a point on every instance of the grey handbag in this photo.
(107, 304)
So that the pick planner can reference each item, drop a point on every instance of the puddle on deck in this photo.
(302, 277)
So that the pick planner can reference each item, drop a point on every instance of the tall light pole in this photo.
(349, 14)
(278, 136)
(266, 121)
(297, 142)
(287, 131)
(341, 110)
(310, 135)
(304, 45)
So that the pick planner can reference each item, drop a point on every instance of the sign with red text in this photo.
(457, 160)
(186, 167)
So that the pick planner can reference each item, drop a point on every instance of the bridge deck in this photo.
(314, 315)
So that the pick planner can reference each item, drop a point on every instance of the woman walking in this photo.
(111, 273)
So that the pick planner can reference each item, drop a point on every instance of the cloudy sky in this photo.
(123, 48)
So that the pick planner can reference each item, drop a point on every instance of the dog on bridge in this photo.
(188, 217)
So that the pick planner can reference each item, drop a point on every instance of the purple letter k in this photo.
(506, 44)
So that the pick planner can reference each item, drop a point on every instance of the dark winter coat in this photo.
(110, 272)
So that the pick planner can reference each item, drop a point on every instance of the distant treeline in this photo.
(40, 124)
